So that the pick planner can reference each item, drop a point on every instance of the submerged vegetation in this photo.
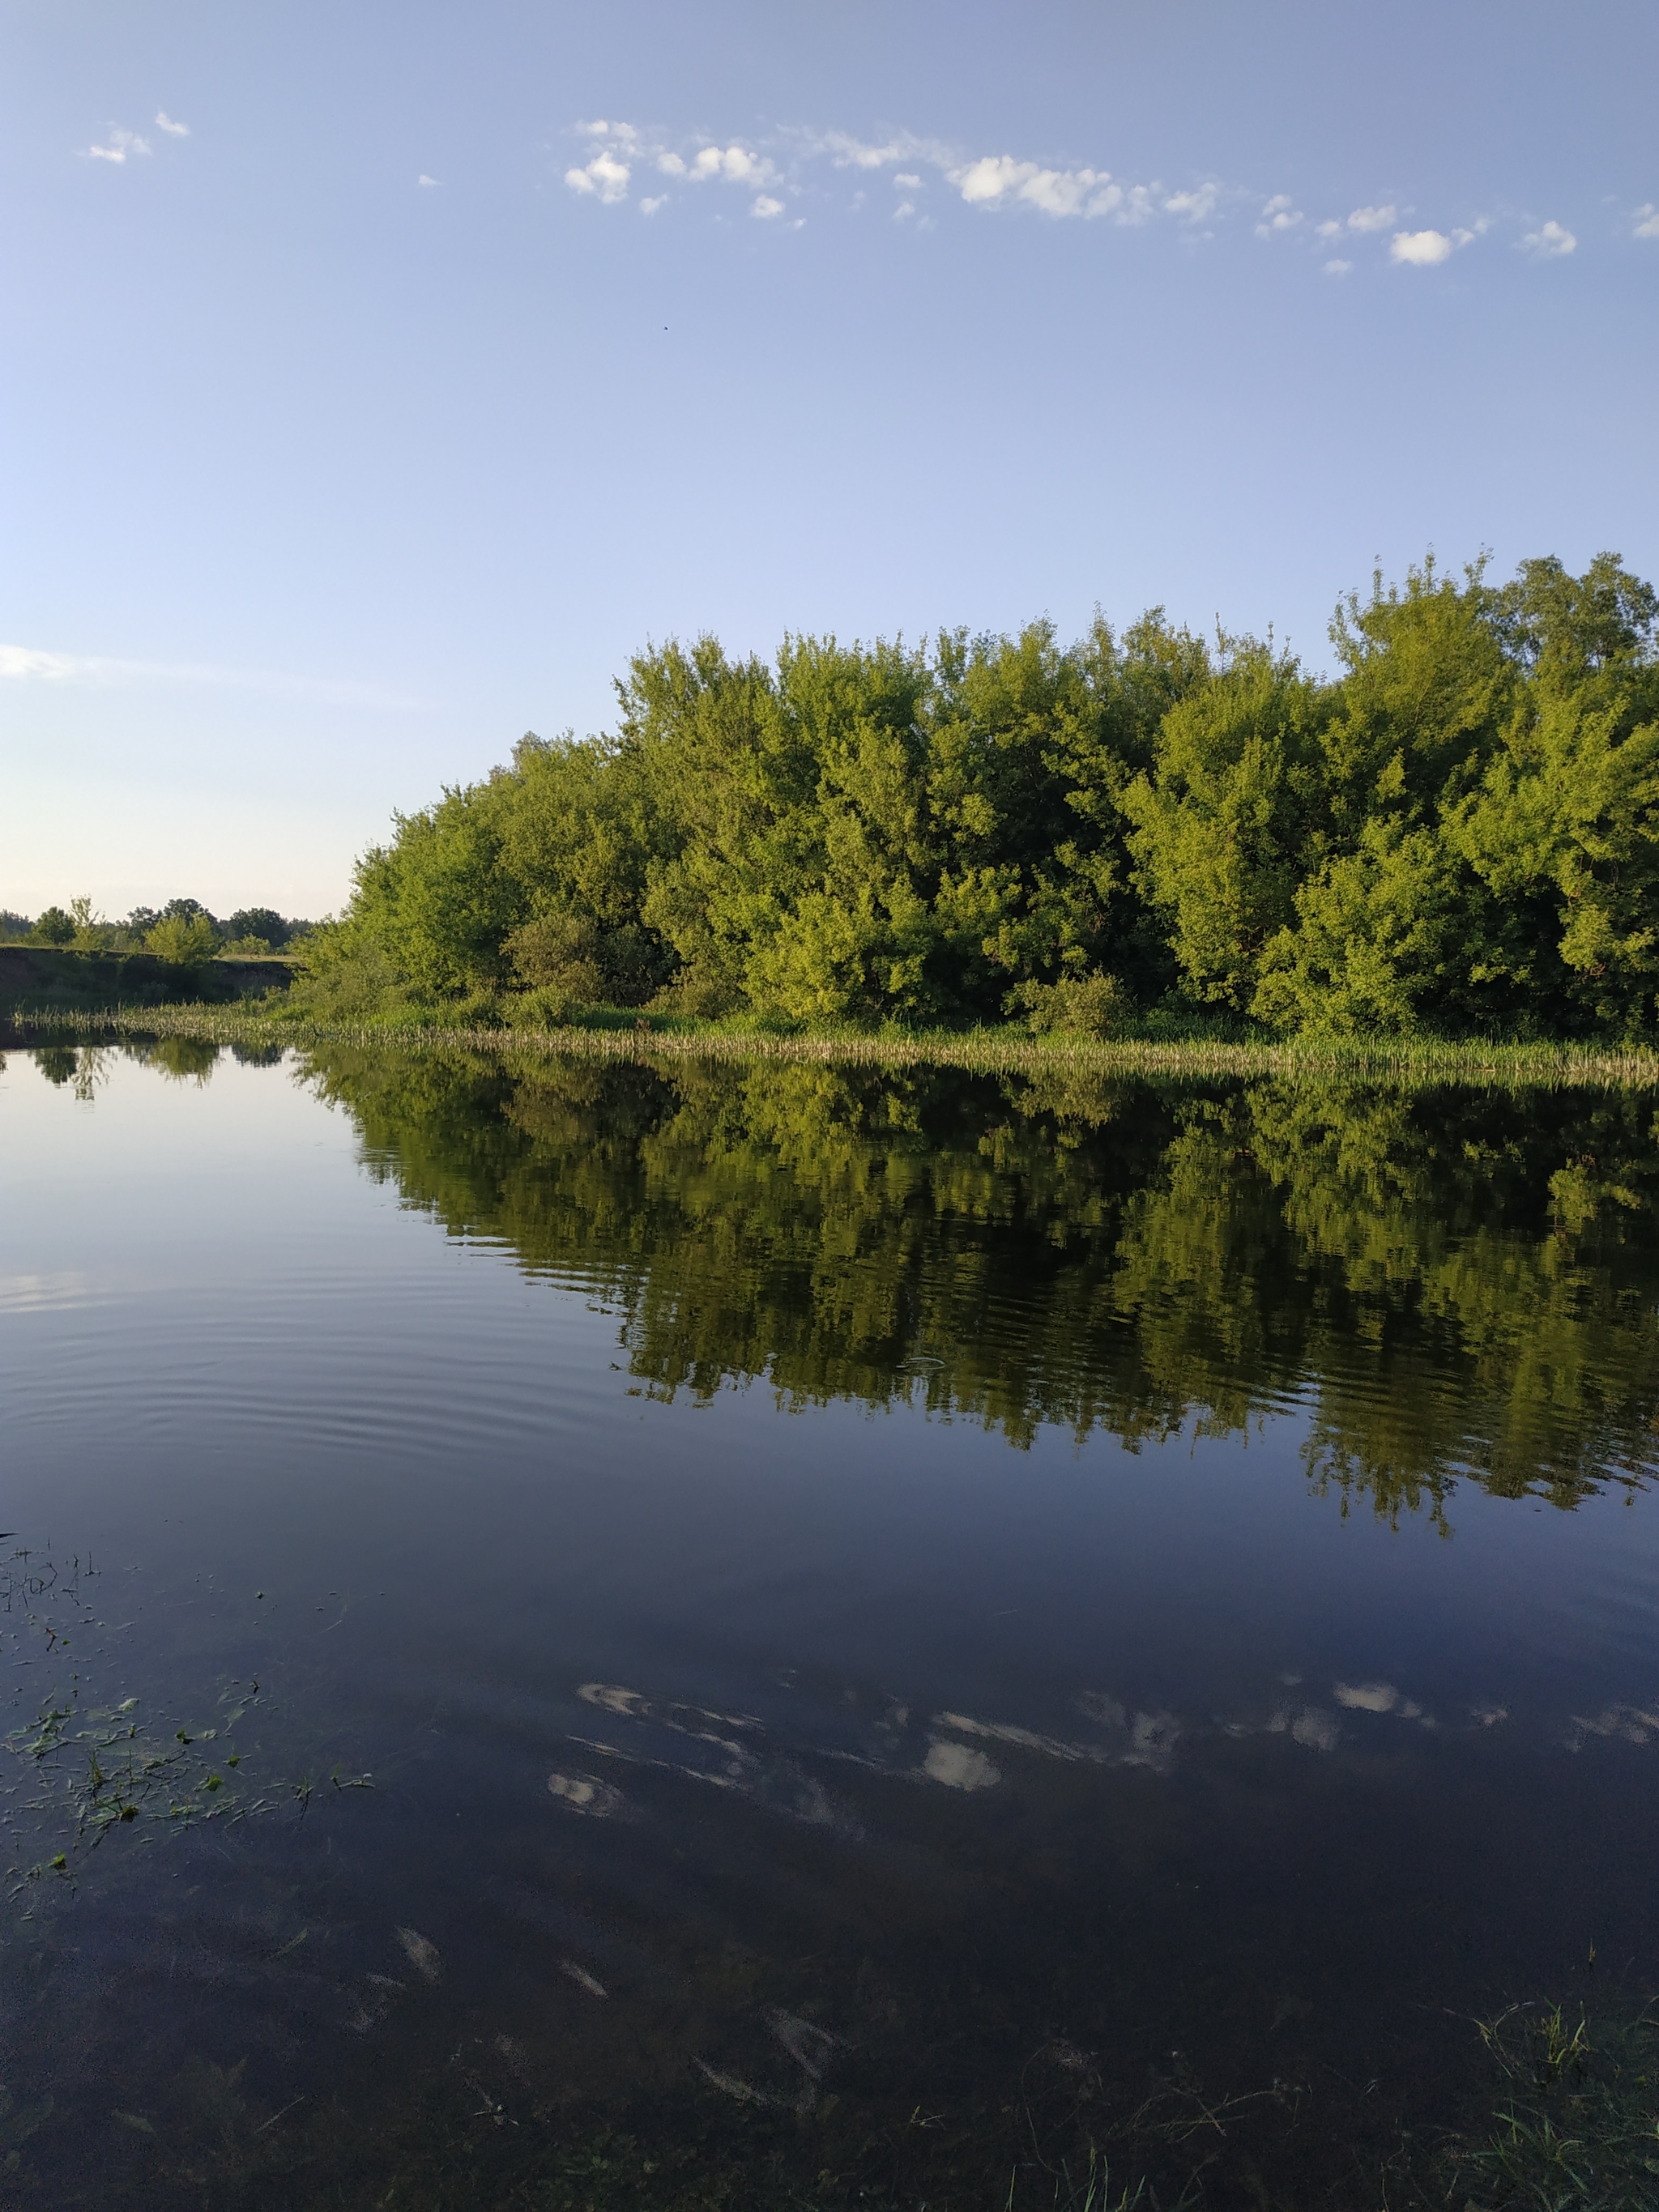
(1458, 834)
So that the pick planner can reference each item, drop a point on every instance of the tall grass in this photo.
(989, 1051)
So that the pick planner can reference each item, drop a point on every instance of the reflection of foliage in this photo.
(1451, 1283)
(182, 1059)
(84, 1069)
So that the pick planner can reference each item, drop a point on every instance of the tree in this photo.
(184, 940)
(54, 927)
(1458, 830)
(1222, 822)
(263, 922)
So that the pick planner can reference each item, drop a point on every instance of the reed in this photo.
(1413, 1062)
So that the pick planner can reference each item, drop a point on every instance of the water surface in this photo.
(870, 1632)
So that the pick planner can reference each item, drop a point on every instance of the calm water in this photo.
(869, 1632)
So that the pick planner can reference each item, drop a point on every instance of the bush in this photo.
(341, 980)
(695, 994)
(553, 953)
(549, 1006)
(1083, 1005)
(184, 940)
(54, 926)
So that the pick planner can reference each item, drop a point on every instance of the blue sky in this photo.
(376, 378)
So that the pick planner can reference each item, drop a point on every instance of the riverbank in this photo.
(40, 982)
(614, 1035)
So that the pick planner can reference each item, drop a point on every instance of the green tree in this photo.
(263, 922)
(1222, 822)
(184, 940)
(53, 927)
(1457, 832)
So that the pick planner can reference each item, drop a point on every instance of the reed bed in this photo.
(984, 1051)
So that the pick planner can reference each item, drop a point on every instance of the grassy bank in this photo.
(38, 981)
(608, 1034)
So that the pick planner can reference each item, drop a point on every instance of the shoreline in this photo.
(1473, 1062)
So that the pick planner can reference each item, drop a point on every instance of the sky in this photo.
(374, 380)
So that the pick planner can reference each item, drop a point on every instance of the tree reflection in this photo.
(1450, 1283)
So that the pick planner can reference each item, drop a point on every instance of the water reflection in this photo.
(740, 1774)
(1456, 1284)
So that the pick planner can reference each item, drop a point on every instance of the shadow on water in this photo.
(905, 1957)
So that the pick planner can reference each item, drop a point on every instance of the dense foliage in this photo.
(1458, 830)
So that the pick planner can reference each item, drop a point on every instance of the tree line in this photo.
(183, 932)
(1457, 832)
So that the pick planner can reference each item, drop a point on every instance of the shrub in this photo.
(555, 953)
(1084, 1006)
(54, 926)
(184, 940)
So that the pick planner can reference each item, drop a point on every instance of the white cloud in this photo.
(997, 178)
(424, 180)
(625, 135)
(781, 167)
(27, 664)
(1195, 206)
(1420, 249)
(734, 165)
(120, 143)
(604, 178)
(849, 153)
(1280, 214)
(1647, 222)
(21, 662)
(165, 122)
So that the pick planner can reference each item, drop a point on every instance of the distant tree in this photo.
(54, 926)
(186, 910)
(261, 921)
(142, 920)
(13, 926)
(185, 940)
(92, 933)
